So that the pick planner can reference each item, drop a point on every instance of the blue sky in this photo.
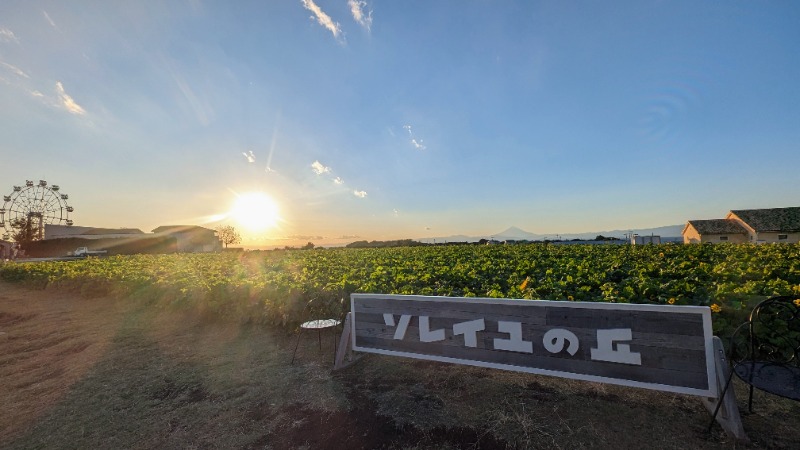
(387, 120)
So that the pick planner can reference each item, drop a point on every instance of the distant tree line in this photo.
(381, 244)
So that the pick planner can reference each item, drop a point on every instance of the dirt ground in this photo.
(102, 372)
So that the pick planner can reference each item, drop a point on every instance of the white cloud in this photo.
(37, 94)
(338, 180)
(7, 35)
(319, 169)
(322, 18)
(67, 101)
(14, 69)
(357, 8)
(360, 194)
(251, 158)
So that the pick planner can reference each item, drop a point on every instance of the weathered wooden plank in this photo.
(653, 322)
(455, 310)
(374, 325)
(664, 358)
(537, 363)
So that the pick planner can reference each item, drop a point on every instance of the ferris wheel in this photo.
(38, 203)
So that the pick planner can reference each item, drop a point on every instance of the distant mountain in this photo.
(517, 234)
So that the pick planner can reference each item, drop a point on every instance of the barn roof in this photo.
(773, 219)
(717, 226)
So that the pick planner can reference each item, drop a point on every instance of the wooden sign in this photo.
(667, 348)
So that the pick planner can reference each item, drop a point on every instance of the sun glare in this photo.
(255, 211)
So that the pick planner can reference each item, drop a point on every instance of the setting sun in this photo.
(255, 211)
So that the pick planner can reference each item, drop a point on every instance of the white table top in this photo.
(320, 323)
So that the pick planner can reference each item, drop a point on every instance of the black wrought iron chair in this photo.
(765, 350)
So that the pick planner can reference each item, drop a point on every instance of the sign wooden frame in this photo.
(659, 347)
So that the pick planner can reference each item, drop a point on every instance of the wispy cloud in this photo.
(304, 237)
(7, 35)
(322, 18)
(14, 69)
(417, 143)
(319, 168)
(49, 20)
(357, 8)
(251, 158)
(199, 105)
(67, 101)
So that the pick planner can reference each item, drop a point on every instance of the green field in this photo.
(282, 287)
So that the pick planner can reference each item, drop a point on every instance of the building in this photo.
(191, 238)
(64, 231)
(714, 230)
(747, 225)
(643, 240)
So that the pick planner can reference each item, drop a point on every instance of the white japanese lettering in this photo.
(402, 326)
(470, 331)
(622, 354)
(554, 341)
(425, 333)
(515, 342)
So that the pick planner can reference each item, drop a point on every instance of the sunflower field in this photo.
(284, 286)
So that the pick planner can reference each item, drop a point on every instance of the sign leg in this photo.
(345, 345)
(728, 416)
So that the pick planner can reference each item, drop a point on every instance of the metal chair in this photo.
(765, 350)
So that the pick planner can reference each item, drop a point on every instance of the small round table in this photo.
(319, 325)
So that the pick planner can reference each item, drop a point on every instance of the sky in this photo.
(346, 120)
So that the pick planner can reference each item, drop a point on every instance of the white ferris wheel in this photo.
(38, 204)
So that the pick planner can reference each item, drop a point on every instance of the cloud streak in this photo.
(67, 102)
(360, 194)
(14, 69)
(417, 143)
(251, 158)
(357, 8)
(322, 18)
(49, 20)
(7, 35)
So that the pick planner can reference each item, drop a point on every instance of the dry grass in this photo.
(114, 373)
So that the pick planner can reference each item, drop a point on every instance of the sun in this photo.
(255, 211)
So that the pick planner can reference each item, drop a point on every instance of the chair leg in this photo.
(296, 345)
(721, 399)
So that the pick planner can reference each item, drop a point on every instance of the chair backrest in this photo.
(772, 333)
